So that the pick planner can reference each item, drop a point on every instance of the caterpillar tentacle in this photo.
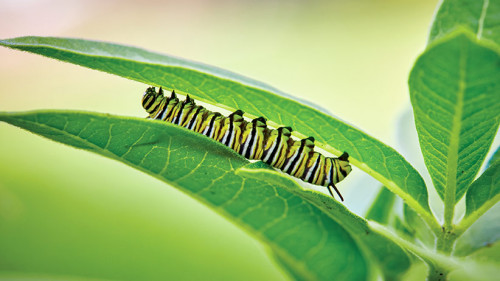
(253, 140)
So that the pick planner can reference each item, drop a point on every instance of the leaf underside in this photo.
(454, 90)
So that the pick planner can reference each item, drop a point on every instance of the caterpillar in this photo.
(253, 140)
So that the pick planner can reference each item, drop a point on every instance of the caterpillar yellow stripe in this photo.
(253, 140)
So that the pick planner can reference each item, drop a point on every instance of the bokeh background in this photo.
(65, 212)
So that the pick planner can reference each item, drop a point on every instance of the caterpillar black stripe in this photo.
(253, 140)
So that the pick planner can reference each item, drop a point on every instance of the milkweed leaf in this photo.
(316, 246)
(454, 90)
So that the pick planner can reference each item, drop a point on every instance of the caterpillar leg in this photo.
(336, 190)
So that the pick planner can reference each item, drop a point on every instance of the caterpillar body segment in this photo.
(253, 140)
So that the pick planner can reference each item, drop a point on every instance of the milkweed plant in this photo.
(454, 88)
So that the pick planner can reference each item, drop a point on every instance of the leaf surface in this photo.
(390, 257)
(454, 90)
(309, 241)
(481, 17)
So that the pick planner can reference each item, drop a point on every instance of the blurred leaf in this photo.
(23, 276)
(418, 227)
(233, 91)
(381, 209)
(474, 270)
(391, 258)
(495, 158)
(454, 90)
(489, 253)
(480, 17)
(299, 233)
(402, 228)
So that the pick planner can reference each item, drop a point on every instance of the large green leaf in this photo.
(482, 17)
(232, 91)
(454, 90)
(305, 238)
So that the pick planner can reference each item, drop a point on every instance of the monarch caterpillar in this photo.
(253, 140)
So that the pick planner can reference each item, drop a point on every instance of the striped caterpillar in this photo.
(253, 140)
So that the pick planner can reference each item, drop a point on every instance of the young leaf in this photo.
(454, 90)
(223, 88)
(299, 233)
(484, 232)
(483, 194)
(480, 17)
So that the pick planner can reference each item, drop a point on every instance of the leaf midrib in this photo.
(452, 162)
(482, 17)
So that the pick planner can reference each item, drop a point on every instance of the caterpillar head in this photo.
(343, 169)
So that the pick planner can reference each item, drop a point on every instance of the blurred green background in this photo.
(66, 212)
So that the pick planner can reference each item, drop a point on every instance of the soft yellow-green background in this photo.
(84, 211)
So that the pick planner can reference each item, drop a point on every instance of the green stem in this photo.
(446, 241)
(437, 260)
(437, 273)
(449, 212)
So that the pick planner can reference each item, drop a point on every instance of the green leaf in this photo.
(309, 241)
(417, 226)
(403, 229)
(381, 209)
(481, 17)
(454, 90)
(233, 91)
(391, 258)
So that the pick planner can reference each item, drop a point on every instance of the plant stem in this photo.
(437, 273)
(446, 241)
(449, 212)
(441, 262)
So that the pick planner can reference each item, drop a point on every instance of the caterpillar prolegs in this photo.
(253, 140)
